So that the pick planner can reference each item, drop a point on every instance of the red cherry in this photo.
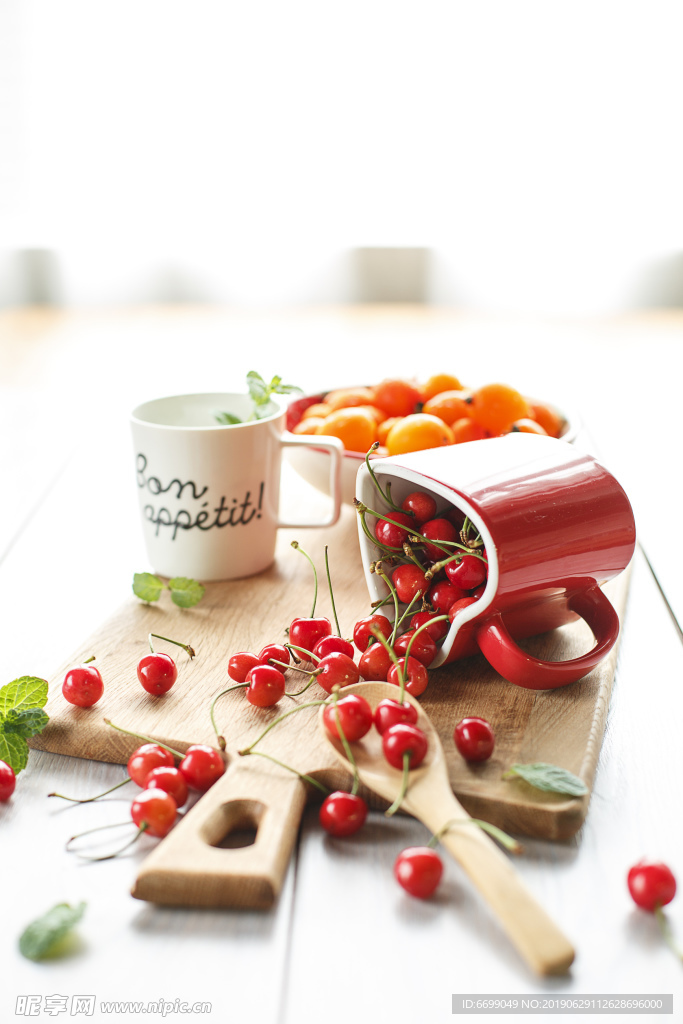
(478, 591)
(8, 780)
(409, 581)
(417, 676)
(342, 814)
(389, 712)
(362, 631)
(418, 869)
(423, 646)
(458, 606)
(155, 809)
(651, 885)
(438, 529)
(443, 595)
(474, 739)
(395, 533)
(306, 632)
(355, 717)
(404, 739)
(333, 644)
(83, 686)
(147, 757)
(201, 766)
(171, 780)
(276, 651)
(422, 506)
(241, 663)
(337, 670)
(266, 686)
(157, 673)
(437, 630)
(375, 663)
(467, 572)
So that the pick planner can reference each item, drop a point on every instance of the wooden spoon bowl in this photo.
(430, 799)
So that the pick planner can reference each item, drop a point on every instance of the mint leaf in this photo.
(185, 593)
(25, 692)
(549, 778)
(147, 587)
(258, 389)
(14, 751)
(24, 723)
(226, 417)
(267, 408)
(40, 938)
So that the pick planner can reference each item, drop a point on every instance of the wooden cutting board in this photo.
(192, 866)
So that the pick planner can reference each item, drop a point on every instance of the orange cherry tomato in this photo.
(467, 430)
(551, 421)
(495, 407)
(355, 428)
(385, 426)
(416, 432)
(309, 425)
(376, 413)
(439, 383)
(319, 410)
(449, 406)
(396, 397)
(527, 426)
(347, 398)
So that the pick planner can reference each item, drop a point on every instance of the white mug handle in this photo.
(336, 450)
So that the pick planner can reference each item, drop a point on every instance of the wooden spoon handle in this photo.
(526, 923)
(190, 867)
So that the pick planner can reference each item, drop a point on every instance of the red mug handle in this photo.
(513, 664)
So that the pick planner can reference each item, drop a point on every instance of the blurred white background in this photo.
(527, 154)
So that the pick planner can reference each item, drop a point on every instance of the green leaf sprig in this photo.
(42, 937)
(260, 393)
(186, 593)
(549, 778)
(21, 716)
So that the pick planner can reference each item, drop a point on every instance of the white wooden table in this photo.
(344, 942)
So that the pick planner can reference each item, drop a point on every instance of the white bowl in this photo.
(313, 463)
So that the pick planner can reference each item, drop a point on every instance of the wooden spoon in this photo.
(431, 800)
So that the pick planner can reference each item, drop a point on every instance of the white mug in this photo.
(209, 492)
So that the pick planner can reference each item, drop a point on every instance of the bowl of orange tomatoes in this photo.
(400, 415)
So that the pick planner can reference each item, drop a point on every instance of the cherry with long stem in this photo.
(186, 647)
(300, 707)
(147, 739)
(220, 739)
(297, 547)
(386, 496)
(304, 778)
(329, 585)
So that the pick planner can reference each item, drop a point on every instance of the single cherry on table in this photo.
(83, 685)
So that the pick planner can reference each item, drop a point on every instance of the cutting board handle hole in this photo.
(233, 825)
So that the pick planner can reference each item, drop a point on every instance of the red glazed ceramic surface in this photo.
(556, 525)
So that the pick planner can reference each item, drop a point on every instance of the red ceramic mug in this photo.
(555, 524)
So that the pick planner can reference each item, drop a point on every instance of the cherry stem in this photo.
(465, 535)
(409, 606)
(377, 566)
(147, 739)
(88, 660)
(496, 833)
(186, 647)
(404, 786)
(219, 738)
(420, 629)
(385, 496)
(302, 650)
(666, 931)
(276, 721)
(297, 693)
(100, 828)
(295, 544)
(376, 632)
(345, 742)
(329, 585)
(304, 778)
(293, 668)
(90, 799)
